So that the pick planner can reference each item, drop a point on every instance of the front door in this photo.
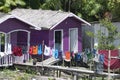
(73, 39)
(58, 39)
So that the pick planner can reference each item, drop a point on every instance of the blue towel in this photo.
(39, 50)
(94, 51)
(101, 58)
(55, 53)
(78, 57)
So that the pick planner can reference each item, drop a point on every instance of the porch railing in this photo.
(6, 60)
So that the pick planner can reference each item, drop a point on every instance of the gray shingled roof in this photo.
(41, 18)
(2, 14)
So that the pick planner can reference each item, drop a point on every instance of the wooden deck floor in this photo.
(70, 69)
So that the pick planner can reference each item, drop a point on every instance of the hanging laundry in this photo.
(35, 50)
(17, 51)
(60, 54)
(2, 54)
(24, 49)
(101, 58)
(55, 53)
(94, 51)
(67, 56)
(47, 51)
(77, 57)
(39, 49)
(85, 58)
(31, 50)
(9, 50)
(96, 58)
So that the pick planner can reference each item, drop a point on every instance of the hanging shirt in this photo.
(85, 58)
(67, 56)
(31, 50)
(17, 51)
(24, 49)
(35, 50)
(39, 50)
(47, 51)
(96, 58)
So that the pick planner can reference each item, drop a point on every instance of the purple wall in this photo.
(13, 24)
(38, 36)
(66, 25)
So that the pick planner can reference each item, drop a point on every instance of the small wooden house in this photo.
(25, 27)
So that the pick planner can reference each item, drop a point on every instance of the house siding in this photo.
(13, 24)
(38, 36)
(65, 26)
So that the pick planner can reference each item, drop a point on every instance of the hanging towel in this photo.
(2, 54)
(47, 51)
(55, 53)
(101, 58)
(31, 50)
(9, 50)
(39, 49)
(77, 57)
(35, 50)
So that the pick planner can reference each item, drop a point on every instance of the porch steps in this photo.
(49, 61)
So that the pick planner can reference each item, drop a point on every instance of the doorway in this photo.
(58, 40)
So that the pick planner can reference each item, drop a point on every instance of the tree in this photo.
(8, 5)
(105, 42)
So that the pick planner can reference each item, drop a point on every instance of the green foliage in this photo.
(7, 5)
(90, 10)
(15, 74)
(106, 41)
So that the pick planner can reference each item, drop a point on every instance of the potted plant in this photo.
(34, 61)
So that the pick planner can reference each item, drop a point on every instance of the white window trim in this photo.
(5, 41)
(6, 34)
(69, 36)
(62, 38)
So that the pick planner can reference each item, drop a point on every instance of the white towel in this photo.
(47, 51)
(9, 49)
(2, 54)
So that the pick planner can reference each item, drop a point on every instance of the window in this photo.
(2, 42)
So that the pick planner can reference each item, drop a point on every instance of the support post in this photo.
(42, 56)
(109, 54)
(75, 76)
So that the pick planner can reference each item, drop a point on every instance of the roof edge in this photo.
(71, 15)
(13, 16)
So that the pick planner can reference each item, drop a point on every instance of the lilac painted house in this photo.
(60, 30)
